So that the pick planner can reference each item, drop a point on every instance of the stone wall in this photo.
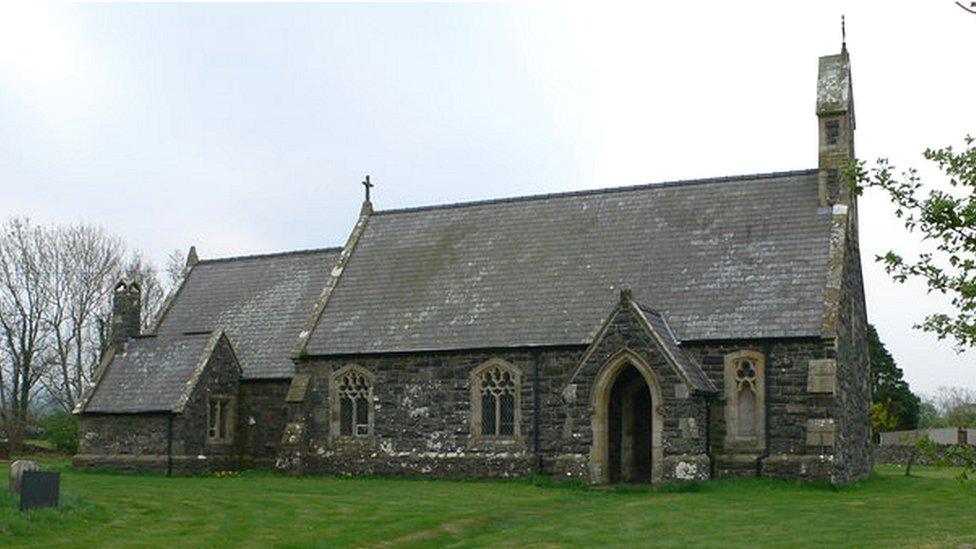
(788, 404)
(123, 434)
(422, 423)
(261, 420)
(900, 455)
(137, 443)
(852, 407)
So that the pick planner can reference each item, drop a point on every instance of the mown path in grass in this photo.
(261, 509)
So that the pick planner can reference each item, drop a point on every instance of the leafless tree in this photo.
(154, 290)
(55, 306)
(175, 265)
(83, 263)
(88, 263)
(23, 296)
(956, 406)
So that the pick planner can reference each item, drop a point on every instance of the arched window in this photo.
(496, 400)
(352, 402)
(745, 418)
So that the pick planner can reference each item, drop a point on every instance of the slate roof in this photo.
(740, 257)
(150, 376)
(688, 367)
(261, 302)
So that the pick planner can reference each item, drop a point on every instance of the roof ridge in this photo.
(607, 190)
(270, 254)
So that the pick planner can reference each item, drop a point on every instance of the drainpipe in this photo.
(766, 350)
(708, 436)
(535, 413)
(169, 445)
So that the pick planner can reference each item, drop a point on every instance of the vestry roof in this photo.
(152, 374)
(261, 302)
(742, 257)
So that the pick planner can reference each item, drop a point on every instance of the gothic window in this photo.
(220, 416)
(745, 380)
(744, 400)
(352, 398)
(495, 398)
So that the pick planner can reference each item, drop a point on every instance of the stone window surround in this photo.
(475, 382)
(734, 441)
(335, 419)
(227, 420)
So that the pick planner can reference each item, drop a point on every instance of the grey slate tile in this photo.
(149, 376)
(728, 258)
(261, 302)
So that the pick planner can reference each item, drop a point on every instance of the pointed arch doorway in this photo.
(627, 422)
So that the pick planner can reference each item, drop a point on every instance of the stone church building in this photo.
(672, 331)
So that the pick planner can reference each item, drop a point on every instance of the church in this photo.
(647, 334)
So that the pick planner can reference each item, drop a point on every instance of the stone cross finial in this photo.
(626, 295)
(191, 258)
(368, 185)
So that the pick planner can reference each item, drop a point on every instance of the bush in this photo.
(61, 430)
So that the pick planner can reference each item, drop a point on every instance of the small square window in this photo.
(833, 132)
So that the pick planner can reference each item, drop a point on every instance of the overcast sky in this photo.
(247, 129)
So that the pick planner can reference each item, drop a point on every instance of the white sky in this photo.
(247, 129)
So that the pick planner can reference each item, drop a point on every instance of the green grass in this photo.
(260, 509)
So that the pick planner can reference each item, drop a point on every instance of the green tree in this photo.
(945, 218)
(61, 430)
(882, 419)
(897, 405)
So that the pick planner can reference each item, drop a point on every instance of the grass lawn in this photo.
(259, 509)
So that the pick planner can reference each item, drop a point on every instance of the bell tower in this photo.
(835, 117)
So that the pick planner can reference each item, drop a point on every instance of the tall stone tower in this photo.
(844, 326)
(835, 114)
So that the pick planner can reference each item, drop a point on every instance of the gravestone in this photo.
(18, 469)
(39, 489)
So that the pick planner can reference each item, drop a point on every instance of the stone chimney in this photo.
(126, 314)
(835, 114)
